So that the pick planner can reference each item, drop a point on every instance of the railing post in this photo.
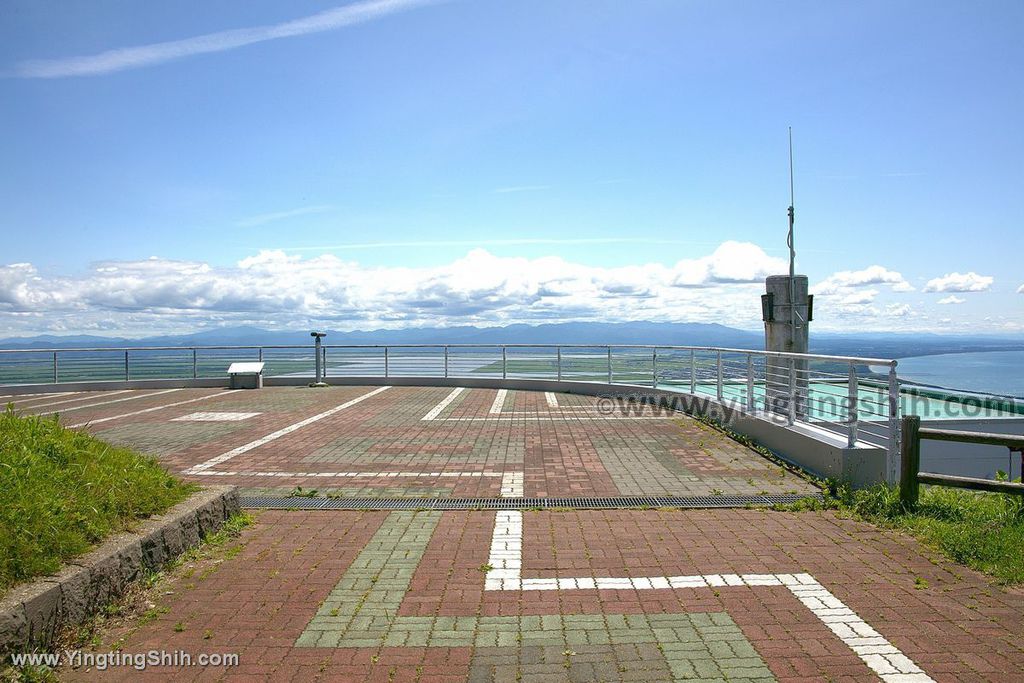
(386, 369)
(317, 358)
(324, 364)
(750, 382)
(54, 367)
(259, 355)
(559, 363)
(446, 361)
(194, 364)
(894, 422)
(852, 408)
(792, 392)
(504, 363)
(127, 375)
(693, 371)
(654, 369)
(609, 365)
(910, 461)
(718, 390)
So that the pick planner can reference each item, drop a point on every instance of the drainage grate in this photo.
(275, 502)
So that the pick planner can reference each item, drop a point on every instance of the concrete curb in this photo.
(33, 613)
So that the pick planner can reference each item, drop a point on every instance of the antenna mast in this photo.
(793, 318)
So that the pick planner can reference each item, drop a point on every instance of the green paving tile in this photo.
(354, 491)
(166, 437)
(361, 612)
(426, 452)
(282, 400)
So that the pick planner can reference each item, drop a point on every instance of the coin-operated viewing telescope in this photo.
(320, 369)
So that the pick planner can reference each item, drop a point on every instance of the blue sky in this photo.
(391, 162)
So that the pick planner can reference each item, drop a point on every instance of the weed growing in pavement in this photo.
(984, 531)
(299, 492)
(745, 440)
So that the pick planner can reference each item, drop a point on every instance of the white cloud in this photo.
(897, 310)
(1020, 290)
(951, 299)
(732, 262)
(842, 282)
(277, 289)
(857, 298)
(849, 296)
(959, 282)
(157, 53)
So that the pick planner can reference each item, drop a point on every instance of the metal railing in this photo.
(856, 398)
(911, 477)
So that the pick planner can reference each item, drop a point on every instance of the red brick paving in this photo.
(961, 628)
(571, 450)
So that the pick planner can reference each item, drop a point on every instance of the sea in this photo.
(989, 372)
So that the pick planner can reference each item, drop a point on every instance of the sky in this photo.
(170, 167)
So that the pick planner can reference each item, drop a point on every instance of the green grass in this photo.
(64, 491)
(984, 531)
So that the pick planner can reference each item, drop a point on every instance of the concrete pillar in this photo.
(785, 377)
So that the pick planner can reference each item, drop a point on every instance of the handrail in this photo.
(911, 477)
(1011, 441)
(862, 408)
(760, 352)
(153, 348)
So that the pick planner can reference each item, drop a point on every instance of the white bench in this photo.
(246, 375)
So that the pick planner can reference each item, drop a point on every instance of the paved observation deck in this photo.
(522, 594)
(424, 442)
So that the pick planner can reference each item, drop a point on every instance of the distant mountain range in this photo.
(894, 345)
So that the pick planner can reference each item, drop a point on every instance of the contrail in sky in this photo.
(139, 56)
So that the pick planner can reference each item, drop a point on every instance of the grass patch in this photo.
(64, 491)
(143, 602)
(984, 531)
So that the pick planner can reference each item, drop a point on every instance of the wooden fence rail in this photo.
(911, 477)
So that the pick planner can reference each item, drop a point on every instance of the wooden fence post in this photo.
(910, 460)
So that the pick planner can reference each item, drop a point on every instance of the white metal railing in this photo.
(857, 398)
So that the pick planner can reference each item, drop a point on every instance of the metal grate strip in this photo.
(693, 502)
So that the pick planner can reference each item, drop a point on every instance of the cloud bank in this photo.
(852, 293)
(157, 53)
(846, 280)
(959, 282)
(849, 298)
(277, 289)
